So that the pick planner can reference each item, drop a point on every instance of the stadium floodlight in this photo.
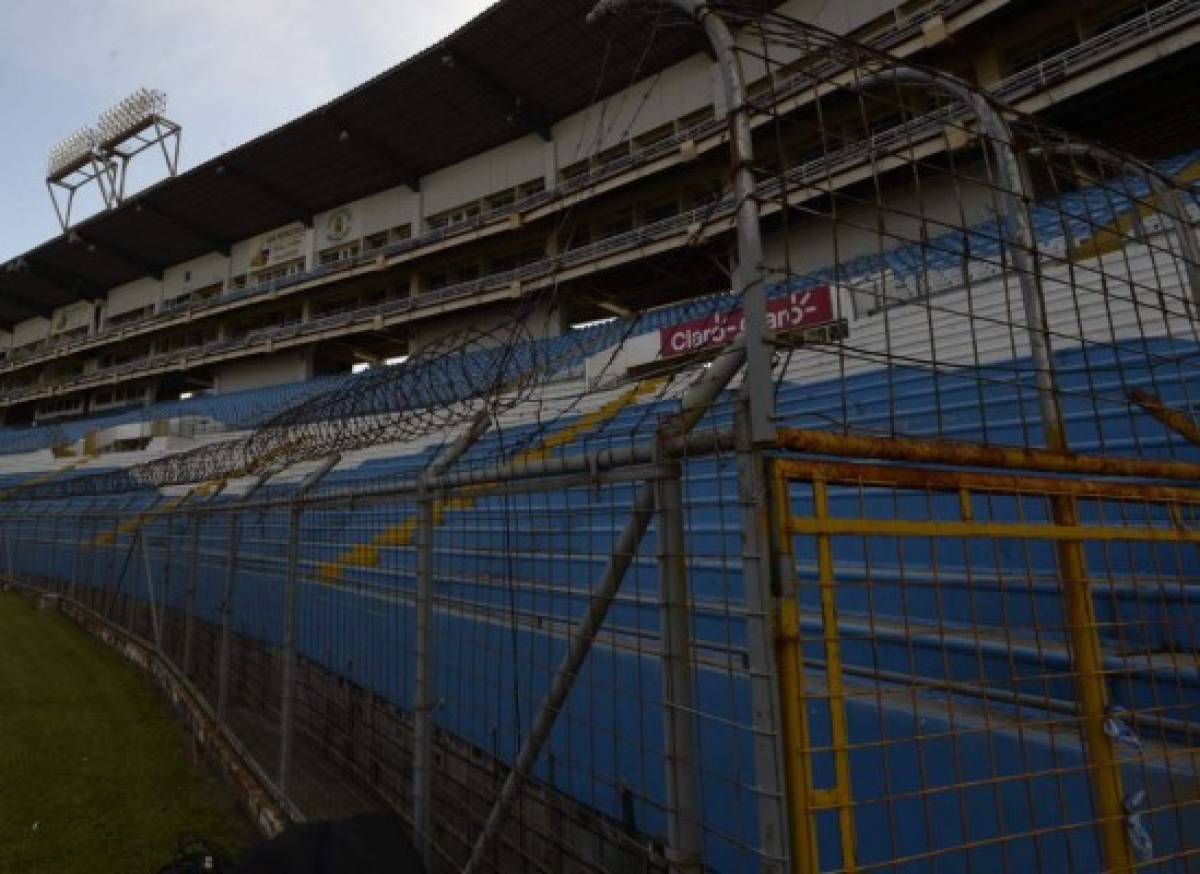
(71, 151)
(136, 112)
(101, 155)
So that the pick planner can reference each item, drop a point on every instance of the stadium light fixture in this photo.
(101, 154)
(136, 112)
(71, 151)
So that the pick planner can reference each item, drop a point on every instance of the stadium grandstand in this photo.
(487, 446)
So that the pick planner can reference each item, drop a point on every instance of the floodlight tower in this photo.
(75, 163)
(131, 127)
(101, 155)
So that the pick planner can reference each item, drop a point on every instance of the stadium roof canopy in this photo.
(510, 72)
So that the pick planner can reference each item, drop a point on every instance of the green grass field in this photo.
(95, 774)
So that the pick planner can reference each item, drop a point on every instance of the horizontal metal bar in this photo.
(990, 530)
(925, 479)
(1007, 458)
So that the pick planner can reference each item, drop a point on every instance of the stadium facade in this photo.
(549, 152)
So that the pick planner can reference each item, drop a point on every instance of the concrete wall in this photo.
(679, 90)
(200, 272)
(30, 331)
(496, 170)
(837, 17)
(866, 229)
(379, 212)
(131, 296)
(73, 316)
(239, 259)
(542, 322)
(278, 369)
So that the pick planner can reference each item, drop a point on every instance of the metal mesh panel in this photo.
(984, 681)
(528, 593)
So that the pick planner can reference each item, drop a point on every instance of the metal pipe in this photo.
(425, 699)
(748, 272)
(155, 628)
(839, 727)
(287, 678)
(227, 619)
(764, 671)
(1165, 192)
(582, 638)
(969, 455)
(673, 434)
(1018, 229)
(1104, 769)
(685, 840)
(530, 474)
(425, 702)
(189, 605)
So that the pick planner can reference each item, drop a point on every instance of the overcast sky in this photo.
(232, 69)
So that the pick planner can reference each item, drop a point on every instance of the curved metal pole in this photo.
(748, 273)
(1018, 229)
(1079, 609)
(1165, 193)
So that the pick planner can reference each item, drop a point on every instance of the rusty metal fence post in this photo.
(189, 601)
(1091, 689)
(757, 554)
(227, 619)
(684, 844)
(424, 698)
(152, 600)
(288, 678)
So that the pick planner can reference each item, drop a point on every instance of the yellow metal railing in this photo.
(889, 511)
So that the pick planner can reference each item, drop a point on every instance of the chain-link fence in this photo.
(551, 601)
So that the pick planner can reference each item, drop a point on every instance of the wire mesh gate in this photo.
(983, 671)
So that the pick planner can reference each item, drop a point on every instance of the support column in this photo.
(757, 574)
(684, 833)
(155, 627)
(423, 706)
(189, 604)
(287, 680)
(227, 619)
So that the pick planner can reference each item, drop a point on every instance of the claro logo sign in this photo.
(801, 309)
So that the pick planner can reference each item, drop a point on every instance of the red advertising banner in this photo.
(800, 309)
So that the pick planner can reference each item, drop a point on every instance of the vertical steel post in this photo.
(53, 580)
(130, 567)
(1090, 687)
(684, 834)
(1088, 666)
(423, 706)
(747, 275)
(165, 600)
(839, 730)
(189, 602)
(692, 408)
(73, 591)
(291, 599)
(155, 628)
(8, 555)
(1017, 228)
(794, 716)
(769, 761)
(227, 619)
